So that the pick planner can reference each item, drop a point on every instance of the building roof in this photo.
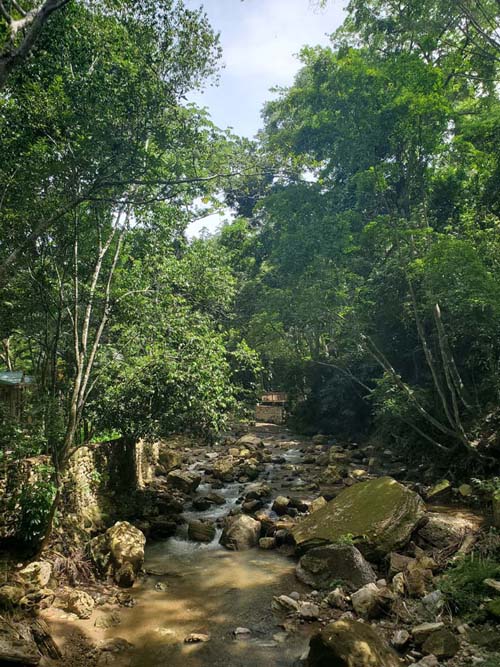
(13, 378)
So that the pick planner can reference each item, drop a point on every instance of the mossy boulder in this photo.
(379, 516)
(348, 643)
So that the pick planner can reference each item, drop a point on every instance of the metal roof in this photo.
(13, 378)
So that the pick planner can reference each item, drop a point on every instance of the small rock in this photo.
(337, 598)
(286, 602)
(465, 490)
(196, 638)
(80, 603)
(308, 611)
(434, 602)
(400, 638)
(280, 505)
(439, 490)
(367, 601)
(242, 632)
(105, 621)
(267, 543)
(399, 584)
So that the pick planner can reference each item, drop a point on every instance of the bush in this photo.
(35, 501)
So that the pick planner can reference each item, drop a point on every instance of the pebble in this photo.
(242, 632)
(196, 638)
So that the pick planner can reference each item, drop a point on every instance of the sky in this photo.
(260, 41)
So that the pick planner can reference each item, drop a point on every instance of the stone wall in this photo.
(103, 483)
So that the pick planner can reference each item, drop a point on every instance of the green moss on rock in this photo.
(379, 514)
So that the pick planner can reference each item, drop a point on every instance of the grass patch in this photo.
(463, 585)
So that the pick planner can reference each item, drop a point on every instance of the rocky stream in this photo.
(271, 550)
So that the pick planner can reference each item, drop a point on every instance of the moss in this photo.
(378, 515)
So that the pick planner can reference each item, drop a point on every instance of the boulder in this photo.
(187, 482)
(240, 532)
(36, 574)
(126, 546)
(332, 474)
(370, 601)
(250, 440)
(280, 505)
(215, 498)
(379, 514)
(348, 643)
(80, 603)
(250, 468)
(444, 530)
(168, 458)
(321, 566)
(442, 644)
(224, 469)
(258, 492)
(201, 531)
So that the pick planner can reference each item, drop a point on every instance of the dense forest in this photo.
(359, 271)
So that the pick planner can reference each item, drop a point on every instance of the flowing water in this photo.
(203, 588)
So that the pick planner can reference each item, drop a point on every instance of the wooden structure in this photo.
(13, 388)
(271, 408)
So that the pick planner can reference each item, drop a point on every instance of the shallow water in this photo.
(203, 588)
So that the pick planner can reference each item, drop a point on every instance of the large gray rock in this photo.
(240, 532)
(379, 515)
(322, 566)
(348, 643)
(187, 482)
